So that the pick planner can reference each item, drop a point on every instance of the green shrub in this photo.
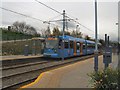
(105, 79)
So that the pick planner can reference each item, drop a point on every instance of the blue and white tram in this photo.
(72, 47)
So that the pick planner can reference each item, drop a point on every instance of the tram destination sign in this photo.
(52, 39)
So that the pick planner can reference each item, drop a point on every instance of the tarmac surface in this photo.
(70, 76)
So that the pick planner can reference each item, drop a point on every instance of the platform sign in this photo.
(107, 55)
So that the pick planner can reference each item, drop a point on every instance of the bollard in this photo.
(26, 50)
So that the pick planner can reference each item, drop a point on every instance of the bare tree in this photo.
(48, 32)
(56, 31)
(16, 26)
(43, 34)
(24, 28)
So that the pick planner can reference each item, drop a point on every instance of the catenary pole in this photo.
(63, 34)
(96, 41)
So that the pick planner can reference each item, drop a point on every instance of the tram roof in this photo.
(66, 37)
(88, 41)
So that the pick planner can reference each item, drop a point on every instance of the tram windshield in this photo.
(51, 43)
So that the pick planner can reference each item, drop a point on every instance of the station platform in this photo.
(70, 76)
(14, 57)
(12, 60)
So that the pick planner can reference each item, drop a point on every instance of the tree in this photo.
(9, 28)
(43, 34)
(67, 33)
(87, 37)
(102, 42)
(16, 26)
(73, 33)
(56, 31)
(30, 30)
(48, 32)
(79, 34)
(22, 27)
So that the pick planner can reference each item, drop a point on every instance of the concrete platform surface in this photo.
(70, 76)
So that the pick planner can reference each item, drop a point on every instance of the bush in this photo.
(105, 79)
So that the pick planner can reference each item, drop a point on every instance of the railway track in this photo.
(18, 75)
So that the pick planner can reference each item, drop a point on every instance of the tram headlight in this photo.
(55, 51)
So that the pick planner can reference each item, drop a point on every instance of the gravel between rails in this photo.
(22, 69)
(28, 74)
(20, 75)
(22, 65)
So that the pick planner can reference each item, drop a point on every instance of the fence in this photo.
(17, 47)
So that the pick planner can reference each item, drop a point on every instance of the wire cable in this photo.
(48, 7)
(54, 17)
(62, 14)
(26, 15)
(20, 14)
(66, 16)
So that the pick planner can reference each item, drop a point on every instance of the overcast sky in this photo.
(83, 10)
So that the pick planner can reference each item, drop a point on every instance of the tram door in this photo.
(78, 48)
(75, 48)
(81, 48)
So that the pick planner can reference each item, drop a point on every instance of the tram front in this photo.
(51, 47)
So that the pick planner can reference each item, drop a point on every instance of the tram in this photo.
(67, 46)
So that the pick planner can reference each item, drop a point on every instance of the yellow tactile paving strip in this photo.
(52, 78)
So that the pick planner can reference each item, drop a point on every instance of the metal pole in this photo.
(63, 33)
(118, 34)
(105, 41)
(66, 24)
(96, 41)
(106, 45)
(108, 42)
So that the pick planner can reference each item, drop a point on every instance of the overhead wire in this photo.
(62, 14)
(100, 36)
(54, 17)
(68, 16)
(48, 7)
(26, 16)
(21, 14)
(48, 21)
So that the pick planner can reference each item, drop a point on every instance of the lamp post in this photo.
(96, 41)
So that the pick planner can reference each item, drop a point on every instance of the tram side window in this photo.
(60, 43)
(66, 45)
(84, 46)
(93, 46)
(71, 44)
(90, 45)
(78, 46)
